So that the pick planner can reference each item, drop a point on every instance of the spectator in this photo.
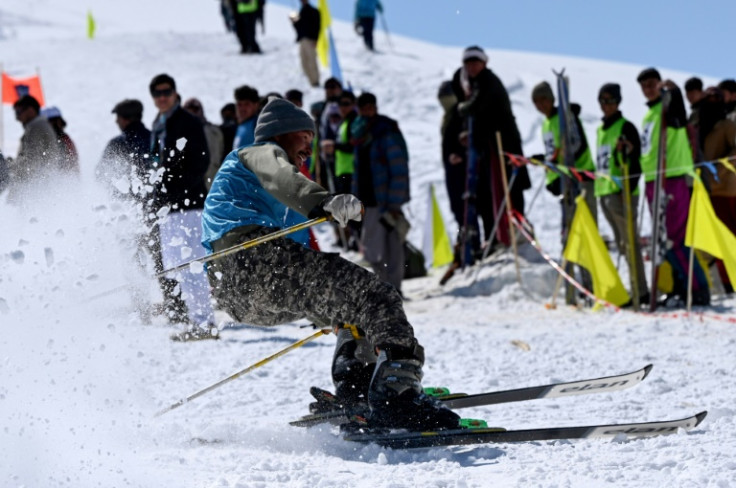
(126, 164)
(307, 25)
(544, 101)
(718, 140)
(38, 154)
(247, 104)
(179, 152)
(215, 140)
(676, 193)
(454, 156)
(344, 150)
(365, 19)
(69, 158)
(694, 94)
(381, 182)
(229, 125)
(246, 13)
(618, 144)
(728, 87)
(295, 96)
(482, 96)
(125, 170)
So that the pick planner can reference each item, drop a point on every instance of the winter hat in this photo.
(543, 90)
(280, 116)
(474, 52)
(51, 112)
(649, 74)
(611, 89)
(129, 109)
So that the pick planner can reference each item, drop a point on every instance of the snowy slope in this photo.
(82, 377)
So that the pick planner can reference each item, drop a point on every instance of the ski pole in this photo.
(630, 254)
(385, 29)
(224, 252)
(507, 199)
(244, 371)
(246, 245)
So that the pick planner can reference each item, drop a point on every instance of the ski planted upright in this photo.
(659, 203)
(484, 435)
(568, 145)
(463, 400)
(470, 217)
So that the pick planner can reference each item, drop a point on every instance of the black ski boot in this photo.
(397, 399)
(352, 369)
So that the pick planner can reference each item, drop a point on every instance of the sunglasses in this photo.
(607, 101)
(166, 92)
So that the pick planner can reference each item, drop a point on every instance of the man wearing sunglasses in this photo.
(180, 158)
(619, 148)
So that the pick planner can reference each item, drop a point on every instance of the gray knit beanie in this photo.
(280, 116)
(543, 90)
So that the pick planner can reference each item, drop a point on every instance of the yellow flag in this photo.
(585, 247)
(323, 43)
(706, 231)
(436, 247)
(90, 25)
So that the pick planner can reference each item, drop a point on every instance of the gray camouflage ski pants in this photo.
(281, 281)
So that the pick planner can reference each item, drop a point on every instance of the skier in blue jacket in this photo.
(258, 189)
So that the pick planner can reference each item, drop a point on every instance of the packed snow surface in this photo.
(82, 376)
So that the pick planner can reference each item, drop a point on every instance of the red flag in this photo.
(14, 88)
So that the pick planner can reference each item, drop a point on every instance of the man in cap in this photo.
(618, 146)
(482, 96)
(259, 189)
(679, 164)
(125, 162)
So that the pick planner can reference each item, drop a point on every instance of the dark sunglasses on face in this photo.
(606, 101)
(166, 92)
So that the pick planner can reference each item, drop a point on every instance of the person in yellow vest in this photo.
(679, 164)
(618, 149)
(246, 14)
(544, 101)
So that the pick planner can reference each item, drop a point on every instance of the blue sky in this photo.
(694, 37)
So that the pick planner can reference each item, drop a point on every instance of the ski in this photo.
(459, 437)
(463, 400)
(659, 204)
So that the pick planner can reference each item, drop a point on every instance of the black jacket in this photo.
(127, 156)
(182, 185)
(490, 106)
(308, 24)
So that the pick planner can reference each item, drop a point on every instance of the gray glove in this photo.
(343, 208)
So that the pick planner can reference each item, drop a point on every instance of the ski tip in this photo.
(647, 369)
(700, 417)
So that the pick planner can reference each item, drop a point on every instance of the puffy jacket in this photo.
(258, 186)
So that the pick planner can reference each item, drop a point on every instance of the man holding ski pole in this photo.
(259, 189)
(666, 159)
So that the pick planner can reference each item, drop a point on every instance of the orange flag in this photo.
(14, 88)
